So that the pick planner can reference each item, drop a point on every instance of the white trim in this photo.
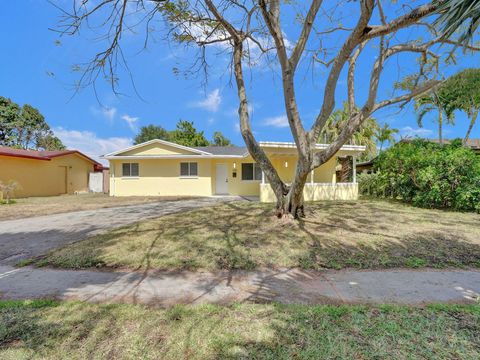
(280, 144)
(175, 156)
(188, 177)
(158, 141)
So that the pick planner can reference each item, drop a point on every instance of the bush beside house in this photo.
(427, 175)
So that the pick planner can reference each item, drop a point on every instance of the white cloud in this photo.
(88, 143)
(131, 122)
(237, 127)
(211, 102)
(106, 112)
(412, 132)
(276, 121)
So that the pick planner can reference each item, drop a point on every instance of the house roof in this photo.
(223, 150)
(42, 155)
(212, 151)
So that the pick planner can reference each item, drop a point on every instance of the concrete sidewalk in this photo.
(285, 286)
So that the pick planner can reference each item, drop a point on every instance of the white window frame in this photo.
(130, 176)
(254, 172)
(189, 176)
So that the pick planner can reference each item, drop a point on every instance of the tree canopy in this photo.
(184, 134)
(25, 128)
(151, 132)
(458, 92)
(462, 92)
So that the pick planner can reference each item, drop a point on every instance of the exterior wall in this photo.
(316, 192)
(160, 177)
(236, 186)
(61, 175)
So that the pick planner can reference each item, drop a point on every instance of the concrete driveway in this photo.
(29, 237)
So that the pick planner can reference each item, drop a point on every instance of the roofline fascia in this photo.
(291, 145)
(27, 156)
(146, 157)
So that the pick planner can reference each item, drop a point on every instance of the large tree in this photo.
(244, 29)
(25, 128)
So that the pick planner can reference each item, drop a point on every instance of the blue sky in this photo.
(37, 69)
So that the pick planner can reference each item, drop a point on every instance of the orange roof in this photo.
(42, 155)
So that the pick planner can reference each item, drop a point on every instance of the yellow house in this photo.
(162, 168)
(46, 173)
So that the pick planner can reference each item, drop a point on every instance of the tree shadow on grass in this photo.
(246, 236)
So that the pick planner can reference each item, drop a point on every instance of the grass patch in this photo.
(5, 202)
(245, 235)
(76, 330)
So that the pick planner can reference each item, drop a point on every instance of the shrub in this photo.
(427, 175)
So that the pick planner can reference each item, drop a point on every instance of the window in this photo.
(188, 169)
(251, 171)
(130, 169)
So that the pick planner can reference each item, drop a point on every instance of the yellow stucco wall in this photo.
(61, 175)
(160, 177)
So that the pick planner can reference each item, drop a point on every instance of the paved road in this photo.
(285, 286)
(25, 238)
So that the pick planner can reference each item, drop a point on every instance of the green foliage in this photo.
(185, 134)
(151, 132)
(220, 140)
(427, 175)
(455, 14)
(461, 92)
(385, 134)
(365, 135)
(50, 142)
(25, 128)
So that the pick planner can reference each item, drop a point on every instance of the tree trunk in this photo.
(473, 119)
(440, 124)
(291, 202)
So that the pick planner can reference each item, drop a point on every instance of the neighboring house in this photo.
(366, 166)
(162, 168)
(46, 173)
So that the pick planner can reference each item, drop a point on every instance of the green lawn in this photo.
(73, 330)
(245, 235)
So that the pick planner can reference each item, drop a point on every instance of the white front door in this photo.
(221, 180)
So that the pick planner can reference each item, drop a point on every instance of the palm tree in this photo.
(453, 14)
(428, 103)
(385, 134)
(365, 135)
